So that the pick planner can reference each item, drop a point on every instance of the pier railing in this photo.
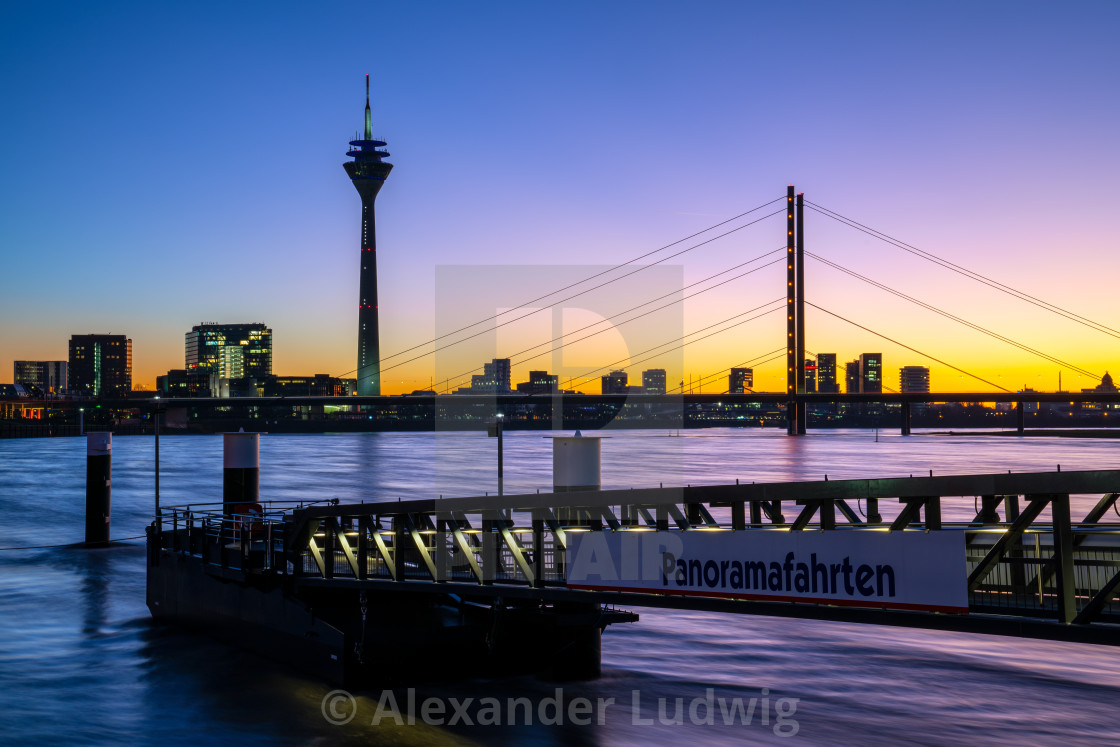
(1024, 556)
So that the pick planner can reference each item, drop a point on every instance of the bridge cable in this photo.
(600, 274)
(781, 353)
(568, 298)
(722, 371)
(959, 320)
(627, 311)
(1045, 305)
(914, 350)
(690, 334)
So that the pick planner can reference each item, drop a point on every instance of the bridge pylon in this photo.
(796, 408)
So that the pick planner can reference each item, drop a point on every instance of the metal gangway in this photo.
(1021, 565)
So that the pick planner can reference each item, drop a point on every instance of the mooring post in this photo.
(576, 466)
(873, 515)
(99, 469)
(576, 463)
(739, 515)
(241, 476)
(906, 418)
(155, 420)
(1019, 417)
(989, 505)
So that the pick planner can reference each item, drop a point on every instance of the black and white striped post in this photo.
(241, 474)
(99, 470)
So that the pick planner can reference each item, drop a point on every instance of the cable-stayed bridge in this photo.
(800, 391)
(805, 399)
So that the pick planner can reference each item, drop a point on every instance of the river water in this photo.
(81, 661)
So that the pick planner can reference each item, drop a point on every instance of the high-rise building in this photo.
(871, 373)
(616, 382)
(540, 382)
(231, 351)
(810, 375)
(368, 172)
(494, 379)
(913, 379)
(498, 371)
(826, 373)
(740, 381)
(49, 377)
(100, 365)
(851, 377)
(653, 381)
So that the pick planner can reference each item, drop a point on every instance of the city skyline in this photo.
(986, 143)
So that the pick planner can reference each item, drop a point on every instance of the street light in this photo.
(501, 486)
(81, 421)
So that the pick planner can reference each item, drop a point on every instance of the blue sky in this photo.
(168, 164)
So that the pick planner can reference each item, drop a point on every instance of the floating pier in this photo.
(377, 591)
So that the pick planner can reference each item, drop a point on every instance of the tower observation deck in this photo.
(367, 172)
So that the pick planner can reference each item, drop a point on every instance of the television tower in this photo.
(367, 172)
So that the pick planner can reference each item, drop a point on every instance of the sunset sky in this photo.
(169, 164)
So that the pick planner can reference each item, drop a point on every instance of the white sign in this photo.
(908, 570)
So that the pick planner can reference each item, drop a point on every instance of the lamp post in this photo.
(496, 430)
(501, 480)
(81, 421)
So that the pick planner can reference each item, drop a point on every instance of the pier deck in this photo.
(1021, 566)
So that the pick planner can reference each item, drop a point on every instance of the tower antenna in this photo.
(369, 120)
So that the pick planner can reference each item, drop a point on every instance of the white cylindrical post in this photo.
(241, 473)
(99, 470)
(576, 463)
